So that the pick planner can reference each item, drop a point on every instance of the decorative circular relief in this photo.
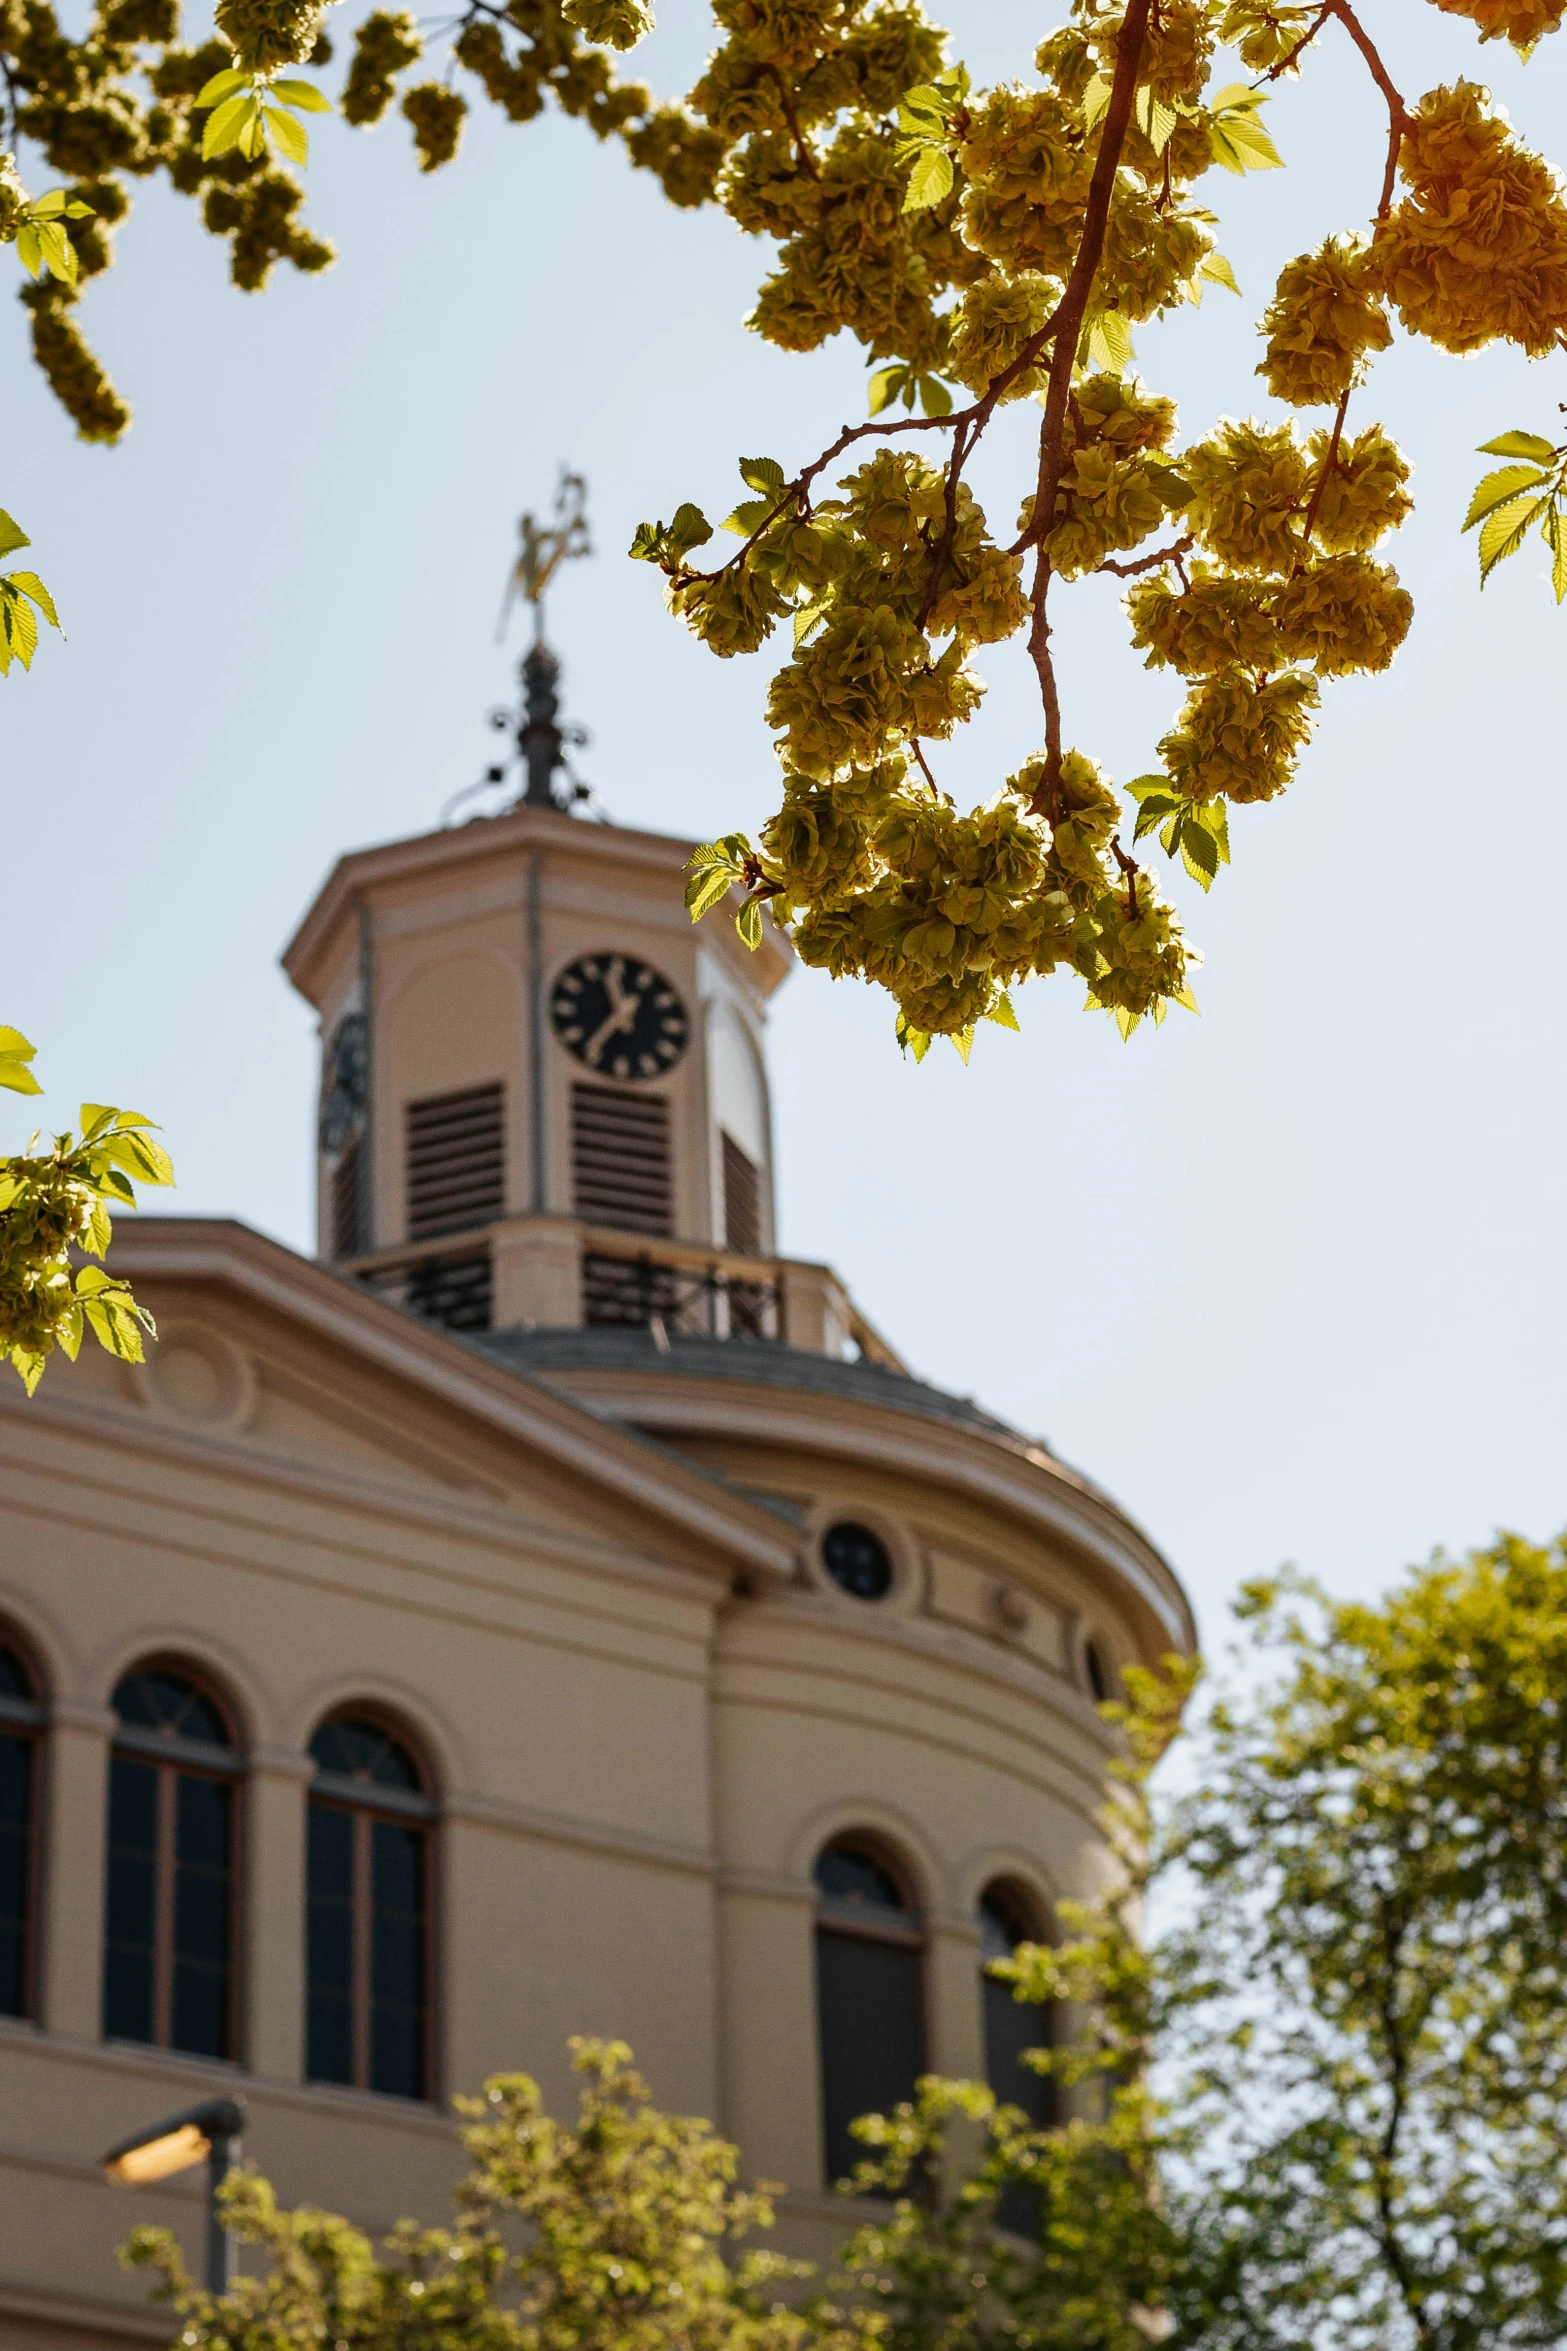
(200, 1380)
(619, 1016)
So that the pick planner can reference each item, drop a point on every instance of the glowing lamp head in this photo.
(175, 2145)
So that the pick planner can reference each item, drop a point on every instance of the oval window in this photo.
(858, 1561)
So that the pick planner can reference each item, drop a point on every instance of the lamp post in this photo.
(211, 2131)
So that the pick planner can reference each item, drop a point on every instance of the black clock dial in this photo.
(346, 1082)
(620, 1016)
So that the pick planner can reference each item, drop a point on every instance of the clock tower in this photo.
(544, 1097)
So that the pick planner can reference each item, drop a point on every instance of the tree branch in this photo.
(1068, 324)
(1152, 562)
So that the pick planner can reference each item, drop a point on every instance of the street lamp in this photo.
(211, 2129)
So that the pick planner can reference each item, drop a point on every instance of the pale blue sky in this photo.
(1287, 1279)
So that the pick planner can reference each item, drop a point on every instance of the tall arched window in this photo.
(870, 1990)
(169, 1957)
(21, 1727)
(367, 1935)
(1008, 1916)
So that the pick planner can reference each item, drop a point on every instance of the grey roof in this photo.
(765, 1363)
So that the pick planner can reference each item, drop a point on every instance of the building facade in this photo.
(550, 1610)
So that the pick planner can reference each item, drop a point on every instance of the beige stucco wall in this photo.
(641, 1736)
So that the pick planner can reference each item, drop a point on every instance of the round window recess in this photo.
(858, 1561)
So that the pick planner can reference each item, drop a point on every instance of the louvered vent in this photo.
(346, 1196)
(456, 1161)
(620, 1158)
(742, 1200)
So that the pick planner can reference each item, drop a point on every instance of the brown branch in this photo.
(1069, 315)
(1328, 463)
(923, 765)
(1305, 41)
(1399, 118)
(802, 153)
(1130, 870)
(1152, 562)
(963, 442)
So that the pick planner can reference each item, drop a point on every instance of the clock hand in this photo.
(622, 1017)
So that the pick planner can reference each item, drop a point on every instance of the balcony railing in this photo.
(556, 1273)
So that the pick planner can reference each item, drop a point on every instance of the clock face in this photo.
(346, 1082)
(620, 1016)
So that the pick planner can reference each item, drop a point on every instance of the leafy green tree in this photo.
(627, 2221)
(1324, 2108)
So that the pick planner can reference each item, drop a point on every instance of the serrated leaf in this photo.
(304, 95)
(963, 1042)
(292, 137)
(1096, 101)
(1154, 119)
(910, 1039)
(68, 1332)
(707, 889)
(1554, 530)
(222, 85)
(33, 588)
(29, 252)
(1187, 1001)
(1002, 1014)
(1504, 530)
(12, 535)
(762, 473)
(1170, 485)
(15, 1054)
(1218, 272)
(229, 124)
(747, 517)
(58, 252)
(748, 922)
(709, 853)
(1109, 342)
(29, 1367)
(1199, 854)
(689, 529)
(808, 617)
(95, 1117)
(18, 628)
(1519, 445)
(929, 181)
(1126, 1021)
(1498, 489)
(935, 399)
(1154, 811)
(100, 1230)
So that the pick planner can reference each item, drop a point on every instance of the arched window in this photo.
(21, 1727)
(870, 1991)
(367, 1934)
(169, 1958)
(1008, 1917)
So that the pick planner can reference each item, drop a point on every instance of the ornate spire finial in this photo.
(535, 728)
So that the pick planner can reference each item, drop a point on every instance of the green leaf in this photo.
(304, 95)
(1154, 119)
(292, 137)
(12, 535)
(1096, 101)
(1169, 485)
(95, 1117)
(28, 250)
(1554, 531)
(100, 1230)
(1236, 139)
(222, 85)
(935, 399)
(885, 386)
(15, 1054)
(808, 617)
(139, 1155)
(747, 517)
(930, 180)
(1108, 342)
(963, 1042)
(1199, 854)
(32, 587)
(1218, 272)
(58, 252)
(748, 922)
(910, 1039)
(690, 528)
(230, 123)
(647, 545)
(1499, 489)
(707, 889)
(1519, 445)
(1001, 1012)
(764, 474)
(1504, 530)
(18, 629)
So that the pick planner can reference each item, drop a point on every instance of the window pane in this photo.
(329, 1946)
(15, 1680)
(16, 1789)
(870, 2018)
(397, 1959)
(160, 1701)
(203, 1832)
(133, 1861)
(358, 1750)
(1011, 2026)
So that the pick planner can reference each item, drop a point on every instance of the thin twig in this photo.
(1328, 463)
(1069, 317)
(1152, 562)
(1305, 41)
(802, 153)
(1130, 869)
